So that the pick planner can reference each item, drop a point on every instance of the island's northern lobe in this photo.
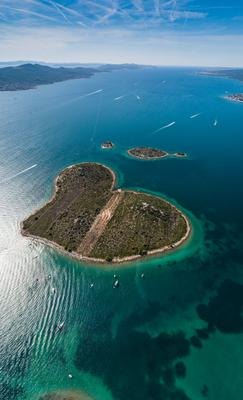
(89, 219)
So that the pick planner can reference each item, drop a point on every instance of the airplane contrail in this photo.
(19, 173)
(165, 127)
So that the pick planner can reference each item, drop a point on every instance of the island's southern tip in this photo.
(90, 220)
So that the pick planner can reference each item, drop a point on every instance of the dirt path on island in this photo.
(89, 241)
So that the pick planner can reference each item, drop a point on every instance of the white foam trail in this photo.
(119, 97)
(195, 116)
(20, 173)
(83, 96)
(91, 93)
(165, 127)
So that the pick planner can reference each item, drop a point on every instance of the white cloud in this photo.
(74, 44)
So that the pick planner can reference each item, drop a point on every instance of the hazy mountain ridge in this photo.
(28, 76)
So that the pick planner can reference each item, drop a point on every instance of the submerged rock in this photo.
(65, 395)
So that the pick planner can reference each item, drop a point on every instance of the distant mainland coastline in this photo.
(30, 75)
(230, 74)
(225, 73)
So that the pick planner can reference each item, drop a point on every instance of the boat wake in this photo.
(119, 97)
(195, 116)
(76, 99)
(92, 93)
(126, 95)
(19, 173)
(165, 127)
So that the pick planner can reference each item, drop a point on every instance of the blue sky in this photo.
(160, 32)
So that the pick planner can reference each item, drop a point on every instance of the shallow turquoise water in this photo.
(124, 344)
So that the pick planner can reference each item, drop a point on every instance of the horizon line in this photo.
(112, 63)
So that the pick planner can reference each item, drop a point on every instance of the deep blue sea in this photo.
(177, 334)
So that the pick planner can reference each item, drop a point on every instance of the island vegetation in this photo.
(235, 97)
(91, 220)
(149, 153)
(180, 154)
(107, 145)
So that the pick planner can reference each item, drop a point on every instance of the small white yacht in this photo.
(60, 326)
(116, 284)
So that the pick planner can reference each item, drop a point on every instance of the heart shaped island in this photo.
(92, 221)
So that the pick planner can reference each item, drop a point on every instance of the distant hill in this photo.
(28, 76)
(113, 67)
(227, 73)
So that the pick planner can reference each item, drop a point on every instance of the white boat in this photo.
(215, 122)
(60, 326)
(116, 284)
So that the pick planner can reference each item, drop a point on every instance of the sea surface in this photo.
(177, 334)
